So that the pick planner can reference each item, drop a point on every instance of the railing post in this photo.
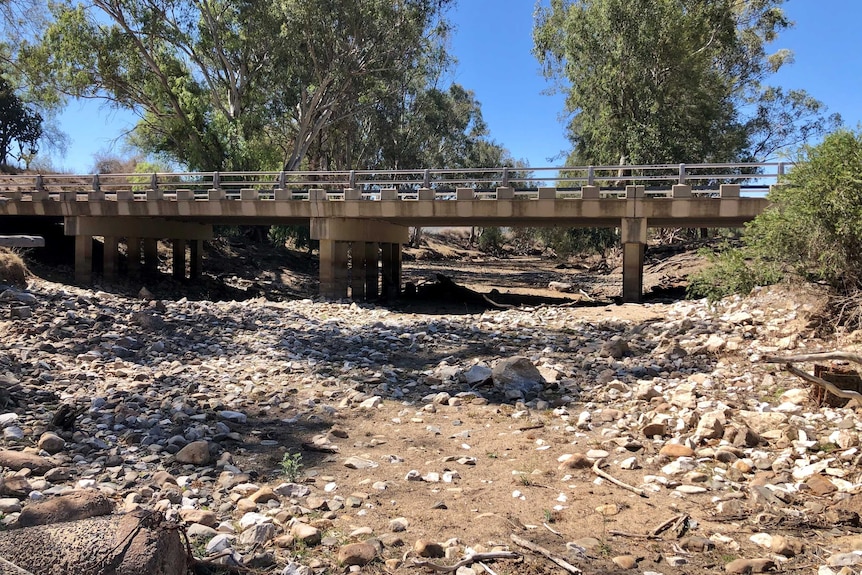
(591, 175)
(216, 181)
(154, 182)
(780, 169)
(505, 183)
(426, 178)
(40, 184)
(96, 185)
(282, 180)
(682, 174)
(352, 181)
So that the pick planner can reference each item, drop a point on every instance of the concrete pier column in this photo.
(110, 257)
(178, 266)
(357, 271)
(84, 259)
(391, 269)
(633, 238)
(334, 276)
(333, 269)
(133, 255)
(196, 255)
(151, 255)
(372, 270)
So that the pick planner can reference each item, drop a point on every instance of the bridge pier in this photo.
(355, 254)
(633, 236)
(136, 231)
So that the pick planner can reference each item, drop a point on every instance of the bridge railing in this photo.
(568, 181)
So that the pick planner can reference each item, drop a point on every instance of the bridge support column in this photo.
(633, 238)
(196, 257)
(333, 268)
(151, 256)
(178, 267)
(348, 256)
(110, 257)
(84, 259)
(133, 255)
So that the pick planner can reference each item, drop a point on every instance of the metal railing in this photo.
(657, 179)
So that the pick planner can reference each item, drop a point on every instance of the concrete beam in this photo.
(358, 230)
(633, 230)
(121, 226)
(22, 242)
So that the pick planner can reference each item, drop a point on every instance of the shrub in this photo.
(12, 269)
(730, 271)
(491, 239)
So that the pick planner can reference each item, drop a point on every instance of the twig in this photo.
(820, 356)
(665, 525)
(830, 387)
(529, 427)
(544, 552)
(469, 560)
(487, 569)
(632, 535)
(548, 527)
(616, 481)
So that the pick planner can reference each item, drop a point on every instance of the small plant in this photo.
(492, 455)
(291, 465)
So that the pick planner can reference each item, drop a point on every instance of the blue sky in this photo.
(493, 43)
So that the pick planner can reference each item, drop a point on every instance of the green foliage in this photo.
(657, 81)
(291, 466)
(491, 239)
(20, 127)
(813, 227)
(731, 271)
(569, 241)
(297, 235)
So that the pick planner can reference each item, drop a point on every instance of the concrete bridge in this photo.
(362, 217)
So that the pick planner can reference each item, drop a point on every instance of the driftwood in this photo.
(823, 356)
(616, 481)
(22, 242)
(545, 553)
(469, 560)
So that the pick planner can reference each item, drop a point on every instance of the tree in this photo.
(658, 81)
(20, 128)
(234, 85)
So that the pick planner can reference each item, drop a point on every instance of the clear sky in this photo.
(493, 43)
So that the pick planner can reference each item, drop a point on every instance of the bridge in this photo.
(361, 218)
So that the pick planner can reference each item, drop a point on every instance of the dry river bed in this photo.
(317, 437)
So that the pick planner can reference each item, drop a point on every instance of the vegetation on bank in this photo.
(812, 230)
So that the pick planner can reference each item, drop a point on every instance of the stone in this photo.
(625, 561)
(65, 508)
(575, 461)
(360, 554)
(654, 429)
(17, 460)
(746, 566)
(429, 549)
(354, 462)
(516, 376)
(676, 450)
(201, 516)
(398, 524)
(51, 442)
(195, 453)
(697, 544)
(263, 496)
(820, 484)
(258, 534)
(308, 534)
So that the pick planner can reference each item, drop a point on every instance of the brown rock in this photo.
(307, 534)
(697, 544)
(51, 442)
(162, 478)
(357, 554)
(72, 507)
(195, 453)
(653, 429)
(820, 484)
(625, 561)
(263, 495)
(676, 450)
(15, 486)
(576, 461)
(785, 546)
(17, 460)
(425, 548)
(746, 566)
(202, 516)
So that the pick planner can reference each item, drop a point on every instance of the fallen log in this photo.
(131, 544)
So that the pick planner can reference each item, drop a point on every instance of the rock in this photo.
(263, 495)
(195, 453)
(697, 544)
(564, 287)
(292, 490)
(711, 425)
(359, 463)
(51, 442)
(65, 508)
(259, 534)
(477, 374)
(233, 416)
(360, 554)
(306, 533)
(517, 377)
(429, 549)
(746, 566)
(17, 460)
(398, 524)
(625, 561)
(574, 461)
(654, 429)
(616, 347)
(15, 486)
(201, 516)
(786, 546)
(676, 450)
(820, 484)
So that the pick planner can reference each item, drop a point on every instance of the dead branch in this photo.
(676, 522)
(469, 560)
(545, 553)
(821, 356)
(616, 481)
(830, 387)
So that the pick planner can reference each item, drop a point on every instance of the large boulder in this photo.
(517, 378)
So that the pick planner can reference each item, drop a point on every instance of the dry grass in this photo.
(13, 271)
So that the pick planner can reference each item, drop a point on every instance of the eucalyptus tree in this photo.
(243, 84)
(673, 80)
(20, 128)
